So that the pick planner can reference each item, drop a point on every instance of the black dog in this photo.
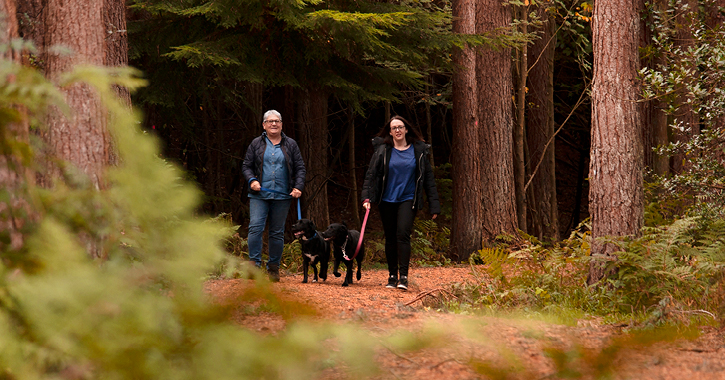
(315, 249)
(344, 243)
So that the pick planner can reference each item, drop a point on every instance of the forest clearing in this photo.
(558, 189)
(474, 346)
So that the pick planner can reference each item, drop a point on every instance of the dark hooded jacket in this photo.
(253, 161)
(377, 174)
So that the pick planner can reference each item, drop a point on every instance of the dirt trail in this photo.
(521, 347)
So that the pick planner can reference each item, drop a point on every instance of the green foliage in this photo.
(429, 243)
(673, 273)
(140, 311)
(686, 78)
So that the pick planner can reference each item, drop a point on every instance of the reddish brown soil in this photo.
(520, 347)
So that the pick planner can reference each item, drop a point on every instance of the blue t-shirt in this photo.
(274, 174)
(401, 171)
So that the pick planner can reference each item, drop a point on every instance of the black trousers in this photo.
(397, 221)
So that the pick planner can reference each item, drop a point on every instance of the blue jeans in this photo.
(259, 211)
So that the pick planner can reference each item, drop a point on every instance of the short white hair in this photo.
(271, 112)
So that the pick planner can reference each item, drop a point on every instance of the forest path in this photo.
(520, 347)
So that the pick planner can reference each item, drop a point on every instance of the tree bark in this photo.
(353, 171)
(116, 40)
(312, 139)
(493, 79)
(15, 177)
(31, 28)
(83, 140)
(688, 121)
(616, 189)
(520, 127)
(654, 119)
(467, 218)
(544, 213)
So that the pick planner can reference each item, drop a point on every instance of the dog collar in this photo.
(313, 236)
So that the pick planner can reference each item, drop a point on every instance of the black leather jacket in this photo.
(376, 176)
(253, 161)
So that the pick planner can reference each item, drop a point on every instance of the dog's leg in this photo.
(323, 269)
(359, 268)
(305, 264)
(314, 270)
(348, 273)
(336, 267)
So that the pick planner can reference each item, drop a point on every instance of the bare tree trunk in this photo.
(429, 119)
(467, 220)
(688, 121)
(353, 171)
(493, 77)
(15, 179)
(83, 140)
(616, 190)
(544, 212)
(312, 139)
(31, 22)
(654, 119)
(116, 40)
(519, 129)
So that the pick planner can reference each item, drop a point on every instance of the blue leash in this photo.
(299, 209)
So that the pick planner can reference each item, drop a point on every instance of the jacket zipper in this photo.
(420, 169)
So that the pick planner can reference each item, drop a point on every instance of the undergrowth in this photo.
(673, 273)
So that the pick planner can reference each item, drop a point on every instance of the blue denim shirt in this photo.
(275, 174)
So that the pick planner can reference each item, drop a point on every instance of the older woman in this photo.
(275, 173)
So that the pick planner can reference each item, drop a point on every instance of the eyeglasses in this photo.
(273, 122)
(398, 128)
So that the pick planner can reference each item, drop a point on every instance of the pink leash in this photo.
(362, 233)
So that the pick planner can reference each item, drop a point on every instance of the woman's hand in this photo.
(295, 193)
(255, 186)
(366, 205)
(434, 216)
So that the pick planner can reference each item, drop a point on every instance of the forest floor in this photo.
(510, 347)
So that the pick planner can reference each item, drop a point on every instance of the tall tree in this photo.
(313, 142)
(541, 186)
(116, 40)
(615, 172)
(466, 231)
(14, 171)
(355, 50)
(493, 80)
(81, 139)
(687, 121)
(522, 72)
(654, 119)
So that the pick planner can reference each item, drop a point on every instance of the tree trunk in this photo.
(116, 40)
(519, 129)
(615, 171)
(351, 165)
(31, 28)
(312, 139)
(429, 119)
(15, 178)
(654, 119)
(467, 218)
(544, 212)
(493, 77)
(688, 121)
(83, 140)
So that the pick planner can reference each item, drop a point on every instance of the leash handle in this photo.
(299, 207)
(362, 233)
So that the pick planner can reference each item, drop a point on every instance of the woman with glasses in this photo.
(275, 173)
(398, 174)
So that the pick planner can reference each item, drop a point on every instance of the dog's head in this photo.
(335, 232)
(303, 227)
